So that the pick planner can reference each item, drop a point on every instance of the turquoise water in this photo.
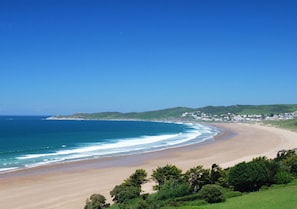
(33, 141)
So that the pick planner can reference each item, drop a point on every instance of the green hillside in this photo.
(286, 124)
(149, 115)
(250, 109)
(178, 111)
(284, 197)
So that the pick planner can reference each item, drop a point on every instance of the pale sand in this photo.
(68, 185)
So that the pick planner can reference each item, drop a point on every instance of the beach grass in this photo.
(286, 124)
(278, 196)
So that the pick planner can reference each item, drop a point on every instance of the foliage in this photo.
(122, 193)
(271, 166)
(251, 176)
(212, 193)
(96, 201)
(141, 202)
(145, 204)
(218, 175)
(130, 188)
(284, 197)
(283, 155)
(283, 177)
(178, 189)
(248, 177)
(172, 189)
(190, 197)
(166, 173)
(137, 178)
(197, 177)
(288, 160)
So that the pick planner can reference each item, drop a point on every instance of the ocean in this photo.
(34, 141)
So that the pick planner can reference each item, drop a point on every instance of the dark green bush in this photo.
(122, 193)
(212, 193)
(283, 177)
(248, 177)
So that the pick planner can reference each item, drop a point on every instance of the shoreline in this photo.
(124, 160)
(68, 185)
(190, 141)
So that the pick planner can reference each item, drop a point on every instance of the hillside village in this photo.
(231, 117)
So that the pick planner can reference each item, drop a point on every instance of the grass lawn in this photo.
(278, 197)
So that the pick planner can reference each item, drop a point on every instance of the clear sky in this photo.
(68, 56)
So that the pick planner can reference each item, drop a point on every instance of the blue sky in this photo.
(62, 57)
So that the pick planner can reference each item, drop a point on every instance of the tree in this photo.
(197, 177)
(217, 175)
(284, 154)
(130, 188)
(137, 178)
(247, 177)
(96, 201)
(171, 189)
(212, 193)
(163, 174)
(288, 161)
(122, 194)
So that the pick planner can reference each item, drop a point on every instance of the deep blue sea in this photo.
(34, 141)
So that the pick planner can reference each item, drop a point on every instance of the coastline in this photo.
(67, 185)
(191, 133)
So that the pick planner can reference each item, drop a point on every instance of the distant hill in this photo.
(249, 109)
(149, 115)
(177, 112)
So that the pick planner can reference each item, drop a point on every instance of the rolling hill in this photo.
(177, 112)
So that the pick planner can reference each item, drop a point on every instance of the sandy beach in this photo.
(65, 186)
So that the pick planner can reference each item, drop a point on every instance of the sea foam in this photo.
(191, 133)
(124, 146)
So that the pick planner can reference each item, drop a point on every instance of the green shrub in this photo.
(212, 193)
(248, 177)
(146, 204)
(122, 193)
(191, 197)
(172, 189)
(96, 201)
(283, 177)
